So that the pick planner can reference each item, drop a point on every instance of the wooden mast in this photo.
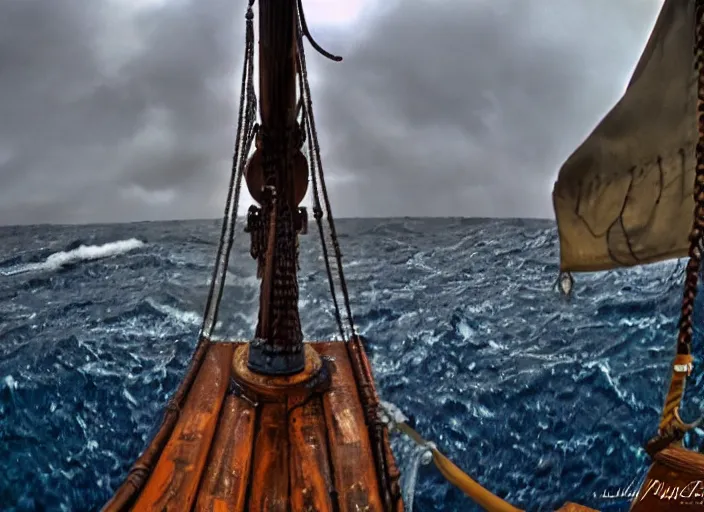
(277, 177)
(270, 424)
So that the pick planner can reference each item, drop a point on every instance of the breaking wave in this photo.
(77, 254)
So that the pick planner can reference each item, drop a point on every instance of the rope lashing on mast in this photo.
(672, 428)
(395, 420)
(246, 130)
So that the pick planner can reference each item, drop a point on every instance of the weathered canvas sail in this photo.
(624, 197)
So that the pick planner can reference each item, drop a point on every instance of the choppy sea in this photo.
(541, 399)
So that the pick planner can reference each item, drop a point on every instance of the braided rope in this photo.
(683, 362)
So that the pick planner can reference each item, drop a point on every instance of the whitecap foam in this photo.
(80, 253)
(184, 317)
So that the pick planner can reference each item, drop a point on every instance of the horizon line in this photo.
(219, 219)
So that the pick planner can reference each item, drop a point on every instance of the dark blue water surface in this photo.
(540, 399)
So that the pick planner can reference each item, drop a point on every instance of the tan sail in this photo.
(624, 197)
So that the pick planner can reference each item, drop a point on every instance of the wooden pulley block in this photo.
(254, 176)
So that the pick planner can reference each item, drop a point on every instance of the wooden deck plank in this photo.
(675, 481)
(224, 485)
(350, 449)
(311, 481)
(174, 482)
(270, 461)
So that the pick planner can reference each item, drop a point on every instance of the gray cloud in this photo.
(469, 108)
(440, 108)
(110, 115)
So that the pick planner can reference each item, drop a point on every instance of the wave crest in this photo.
(81, 253)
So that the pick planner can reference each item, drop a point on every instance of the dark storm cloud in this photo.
(469, 107)
(113, 114)
(440, 108)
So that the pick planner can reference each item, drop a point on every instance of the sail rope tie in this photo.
(395, 420)
(672, 428)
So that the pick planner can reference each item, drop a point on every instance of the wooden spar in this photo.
(278, 104)
(277, 100)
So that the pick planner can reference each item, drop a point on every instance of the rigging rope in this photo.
(245, 134)
(671, 427)
(318, 214)
(317, 168)
(303, 28)
(395, 420)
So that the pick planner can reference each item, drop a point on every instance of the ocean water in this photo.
(540, 399)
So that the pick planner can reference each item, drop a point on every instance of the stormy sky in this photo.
(121, 110)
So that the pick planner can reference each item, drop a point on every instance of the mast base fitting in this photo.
(272, 360)
(314, 374)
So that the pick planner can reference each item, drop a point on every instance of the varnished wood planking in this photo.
(270, 482)
(224, 485)
(682, 460)
(674, 482)
(174, 482)
(350, 451)
(311, 482)
(143, 466)
(294, 463)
